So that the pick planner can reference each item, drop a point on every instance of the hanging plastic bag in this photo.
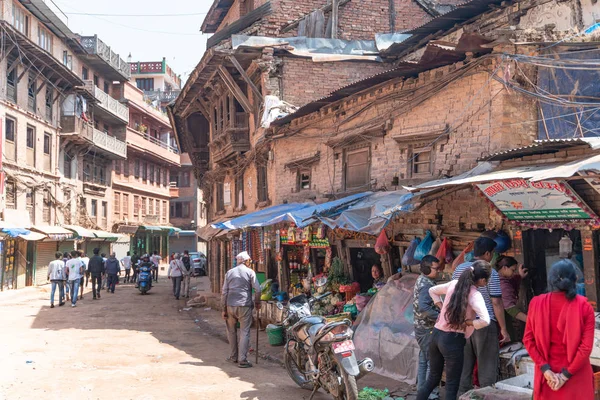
(449, 252)
(435, 247)
(502, 242)
(461, 257)
(409, 255)
(441, 253)
(424, 247)
(382, 245)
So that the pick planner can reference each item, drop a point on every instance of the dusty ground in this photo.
(127, 346)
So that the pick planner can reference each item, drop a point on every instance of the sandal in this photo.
(245, 364)
(231, 360)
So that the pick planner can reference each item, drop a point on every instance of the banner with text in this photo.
(522, 200)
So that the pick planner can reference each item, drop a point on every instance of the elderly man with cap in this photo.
(237, 307)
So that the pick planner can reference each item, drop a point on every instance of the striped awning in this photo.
(56, 233)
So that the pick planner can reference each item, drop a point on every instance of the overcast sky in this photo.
(177, 38)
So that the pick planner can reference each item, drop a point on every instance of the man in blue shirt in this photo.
(483, 346)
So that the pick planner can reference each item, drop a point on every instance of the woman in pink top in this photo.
(462, 311)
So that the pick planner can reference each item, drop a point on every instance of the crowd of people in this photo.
(71, 272)
(463, 331)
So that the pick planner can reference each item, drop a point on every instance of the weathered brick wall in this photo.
(358, 20)
(303, 80)
(483, 118)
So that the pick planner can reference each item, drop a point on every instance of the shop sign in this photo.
(522, 200)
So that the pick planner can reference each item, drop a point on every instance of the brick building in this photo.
(455, 92)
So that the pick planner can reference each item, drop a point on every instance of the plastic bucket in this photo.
(275, 335)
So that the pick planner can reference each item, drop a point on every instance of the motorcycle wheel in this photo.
(297, 376)
(349, 382)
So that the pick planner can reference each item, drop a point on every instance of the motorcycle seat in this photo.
(314, 330)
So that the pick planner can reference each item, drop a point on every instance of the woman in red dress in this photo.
(559, 336)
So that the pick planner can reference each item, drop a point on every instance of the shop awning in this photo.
(106, 235)
(33, 236)
(56, 233)
(265, 217)
(207, 232)
(170, 230)
(80, 231)
(371, 214)
(486, 172)
(127, 229)
(12, 230)
(301, 214)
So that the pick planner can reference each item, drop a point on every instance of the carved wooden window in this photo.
(357, 168)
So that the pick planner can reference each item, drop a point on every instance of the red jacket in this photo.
(575, 325)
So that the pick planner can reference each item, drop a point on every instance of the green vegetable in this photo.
(336, 273)
(373, 394)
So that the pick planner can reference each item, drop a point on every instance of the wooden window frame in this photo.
(299, 179)
(14, 129)
(239, 184)
(220, 196)
(262, 183)
(11, 194)
(413, 153)
(346, 154)
(47, 143)
(94, 208)
(29, 129)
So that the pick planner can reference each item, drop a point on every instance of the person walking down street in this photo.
(187, 262)
(187, 276)
(156, 259)
(237, 303)
(113, 270)
(97, 272)
(104, 277)
(462, 311)
(66, 257)
(56, 275)
(74, 268)
(425, 316)
(126, 261)
(559, 337)
(135, 259)
(83, 273)
(86, 260)
(175, 274)
(483, 346)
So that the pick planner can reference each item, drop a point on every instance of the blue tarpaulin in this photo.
(301, 214)
(363, 212)
(268, 216)
(370, 214)
(15, 232)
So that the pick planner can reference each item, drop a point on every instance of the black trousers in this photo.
(446, 348)
(127, 271)
(96, 284)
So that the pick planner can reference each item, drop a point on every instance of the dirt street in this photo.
(123, 346)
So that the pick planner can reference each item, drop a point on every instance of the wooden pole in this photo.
(335, 11)
(257, 326)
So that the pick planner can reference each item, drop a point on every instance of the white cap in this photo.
(242, 257)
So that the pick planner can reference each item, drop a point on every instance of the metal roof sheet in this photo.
(546, 146)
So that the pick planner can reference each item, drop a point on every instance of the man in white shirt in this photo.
(156, 261)
(126, 262)
(56, 275)
(74, 268)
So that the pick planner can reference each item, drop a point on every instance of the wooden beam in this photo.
(235, 89)
(590, 266)
(335, 10)
(7, 52)
(39, 89)
(325, 9)
(246, 78)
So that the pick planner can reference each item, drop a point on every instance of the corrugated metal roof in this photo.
(546, 146)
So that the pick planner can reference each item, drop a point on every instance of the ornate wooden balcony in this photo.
(111, 63)
(233, 139)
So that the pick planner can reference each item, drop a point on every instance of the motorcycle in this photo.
(144, 279)
(318, 354)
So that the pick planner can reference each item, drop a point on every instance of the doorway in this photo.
(362, 259)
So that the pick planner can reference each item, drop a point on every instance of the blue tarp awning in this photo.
(265, 217)
(370, 214)
(366, 212)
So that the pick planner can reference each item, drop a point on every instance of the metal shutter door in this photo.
(66, 246)
(44, 256)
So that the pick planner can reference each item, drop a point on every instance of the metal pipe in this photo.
(365, 366)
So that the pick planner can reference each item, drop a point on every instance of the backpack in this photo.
(186, 262)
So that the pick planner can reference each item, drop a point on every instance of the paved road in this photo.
(124, 346)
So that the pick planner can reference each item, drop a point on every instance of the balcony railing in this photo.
(107, 102)
(93, 45)
(240, 122)
(110, 143)
(156, 141)
(164, 96)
